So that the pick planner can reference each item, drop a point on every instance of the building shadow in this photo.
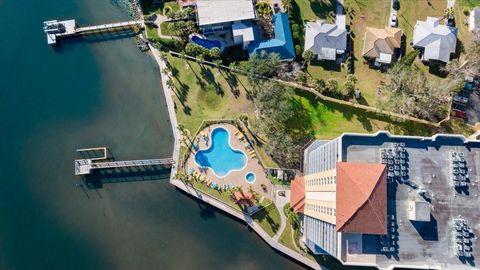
(427, 230)
(98, 178)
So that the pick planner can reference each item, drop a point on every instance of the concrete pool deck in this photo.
(235, 177)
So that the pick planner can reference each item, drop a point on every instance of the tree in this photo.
(263, 64)
(408, 92)
(287, 5)
(320, 85)
(217, 62)
(276, 109)
(308, 56)
(215, 53)
(183, 29)
(349, 85)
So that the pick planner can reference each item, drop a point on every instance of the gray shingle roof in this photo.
(438, 41)
(324, 39)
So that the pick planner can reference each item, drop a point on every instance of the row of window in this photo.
(321, 209)
(323, 158)
(322, 181)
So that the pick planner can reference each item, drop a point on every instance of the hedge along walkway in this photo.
(392, 115)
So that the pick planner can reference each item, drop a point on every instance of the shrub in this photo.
(298, 49)
(169, 44)
(466, 11)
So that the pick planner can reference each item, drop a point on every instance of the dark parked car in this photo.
(460, 99)
(396, 4)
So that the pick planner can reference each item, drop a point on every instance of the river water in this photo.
(85, 93)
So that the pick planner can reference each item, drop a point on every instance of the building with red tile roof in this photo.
(297, 195)
(361, 198)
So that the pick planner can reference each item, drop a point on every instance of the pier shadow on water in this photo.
(92, 38)
(98, 178)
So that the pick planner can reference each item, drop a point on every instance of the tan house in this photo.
(380, 45)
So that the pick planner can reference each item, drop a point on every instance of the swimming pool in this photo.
(250, 177)
(206, 43)
(221, 157)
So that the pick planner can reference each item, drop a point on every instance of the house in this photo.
(437, 42)
(231, 19)
(326, 40)
(282, 43)
(474, 19)
(378, 200)
(381, 45)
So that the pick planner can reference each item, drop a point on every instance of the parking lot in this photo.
(466, 104)
(472, 110)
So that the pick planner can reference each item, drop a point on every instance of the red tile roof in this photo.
(186, 3)
(244, 198)
(297, 195)
(361, 198)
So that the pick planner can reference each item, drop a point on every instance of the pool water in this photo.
(207, 43)
(250, 177)
(220, 157)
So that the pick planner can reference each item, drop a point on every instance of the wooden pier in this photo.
(59, 29)
(86, 165)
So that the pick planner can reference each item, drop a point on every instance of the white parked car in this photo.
(393, 20)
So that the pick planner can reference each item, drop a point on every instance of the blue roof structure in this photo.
(281, 44)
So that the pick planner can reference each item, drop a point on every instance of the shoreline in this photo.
(206, 198)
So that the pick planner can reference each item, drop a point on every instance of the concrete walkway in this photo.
(168, 92)
(280, 202)
(158, 21)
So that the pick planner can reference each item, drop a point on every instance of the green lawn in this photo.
(327, 70)
(224, 196)
(268, 219)
(468, 3)
(311, 10)
(165, 30)
(196, 98)
(152, 32)
(159, 8)
(328, 120)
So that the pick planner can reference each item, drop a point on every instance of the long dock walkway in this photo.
(60, 29)
(86, 165)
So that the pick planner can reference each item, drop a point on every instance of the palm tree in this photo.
(308, 56)
(184, 132)
(287, 5)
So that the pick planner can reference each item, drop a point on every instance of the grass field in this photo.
(152, 32)
(311, 10)
(328, 120)
(268, 219)
(196, 100)
(165, 30)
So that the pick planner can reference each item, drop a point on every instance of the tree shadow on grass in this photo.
(232, 81)
(301, 122)
(265, 215)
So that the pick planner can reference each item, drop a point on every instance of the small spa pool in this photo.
(250, 177)
(221, 157)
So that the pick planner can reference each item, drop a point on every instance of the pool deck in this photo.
(235, 177)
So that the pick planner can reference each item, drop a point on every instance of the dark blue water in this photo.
(96, 93)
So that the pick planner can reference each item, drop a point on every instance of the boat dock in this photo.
(85, 166)
(59, 29)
